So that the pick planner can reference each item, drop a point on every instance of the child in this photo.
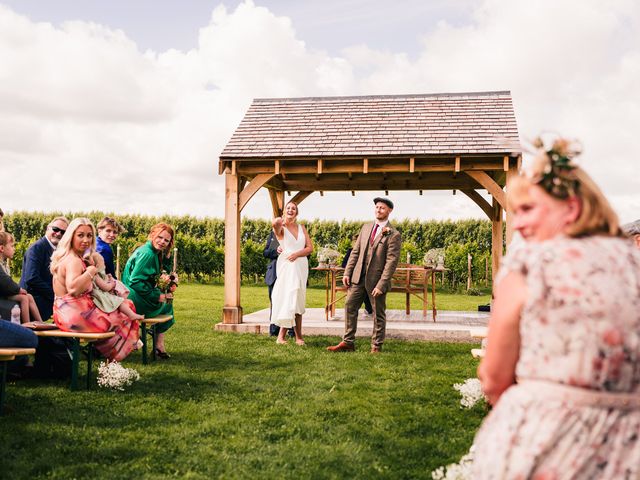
(103, 284)
(10, 289)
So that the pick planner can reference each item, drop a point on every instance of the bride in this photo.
(292, 269)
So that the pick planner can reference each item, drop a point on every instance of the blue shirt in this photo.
(104, 249)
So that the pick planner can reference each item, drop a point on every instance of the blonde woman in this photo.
(562, 366)
(290, 290)
(73, 269)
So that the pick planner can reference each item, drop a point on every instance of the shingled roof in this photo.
(384, 125)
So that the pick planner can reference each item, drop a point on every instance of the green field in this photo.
(238, 406)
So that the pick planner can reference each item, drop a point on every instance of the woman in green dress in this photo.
(141, 274)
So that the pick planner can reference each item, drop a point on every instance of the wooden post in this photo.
(175, 259)
(469, 257)
(486, 272)
(496, 239)
(232, 311)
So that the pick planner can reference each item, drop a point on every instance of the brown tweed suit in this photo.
(371, 266)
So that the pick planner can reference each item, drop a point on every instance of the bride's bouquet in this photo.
(115, 376)
(167, 283)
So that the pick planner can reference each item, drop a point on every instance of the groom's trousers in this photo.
(357, 293)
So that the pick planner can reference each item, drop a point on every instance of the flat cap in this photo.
(632, 228)
(384, 200)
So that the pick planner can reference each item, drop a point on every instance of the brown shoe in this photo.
(376, 348)
(342, 347)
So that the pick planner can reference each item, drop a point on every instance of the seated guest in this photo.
(563, 353)
(36, 277)
(74, 309)
(16, 336)
(10, 289)
(108, 231)
(633, 230)
(140, 275)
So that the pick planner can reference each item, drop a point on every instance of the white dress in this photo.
(290, 290)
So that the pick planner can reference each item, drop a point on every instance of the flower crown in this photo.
(556, 176)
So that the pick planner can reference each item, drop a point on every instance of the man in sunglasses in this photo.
(36, 277)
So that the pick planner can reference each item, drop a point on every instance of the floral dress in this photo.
(575, 412)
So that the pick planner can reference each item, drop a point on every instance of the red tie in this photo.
(373, 234)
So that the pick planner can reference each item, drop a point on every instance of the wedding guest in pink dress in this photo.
(562, 365)
(73, 308)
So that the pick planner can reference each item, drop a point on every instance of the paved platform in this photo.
(451, 326)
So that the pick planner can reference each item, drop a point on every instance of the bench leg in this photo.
(75, 362)
(3, 385)
(154, 339)
(144, 343)
(89, 362)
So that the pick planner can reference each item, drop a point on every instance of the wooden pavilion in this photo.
(462, 142)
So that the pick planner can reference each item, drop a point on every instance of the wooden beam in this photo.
(233, 168)
(299, 197)
(254, 185)
(276, 206)
(320, 167)
(276, 167)
(456, 167)
(492, 187)
(412, 165)
(321, 193)
(365, 165)
(353, 194)
(480, 201)
(505, 165)
(232, 310)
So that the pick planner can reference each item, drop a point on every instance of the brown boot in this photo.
(376, 348)
(342, 347)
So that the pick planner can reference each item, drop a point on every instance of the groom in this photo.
(368, 273)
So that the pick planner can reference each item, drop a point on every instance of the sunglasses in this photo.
(58, 230)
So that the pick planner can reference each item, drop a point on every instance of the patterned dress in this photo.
(575, 412)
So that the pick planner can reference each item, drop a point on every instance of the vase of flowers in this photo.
(328, 255)
(434, 258)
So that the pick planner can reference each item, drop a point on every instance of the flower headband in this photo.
(556, 176)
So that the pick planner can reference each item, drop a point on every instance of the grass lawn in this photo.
(239, 406)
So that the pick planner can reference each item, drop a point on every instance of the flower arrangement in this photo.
(328, 254)
(434, 258)
(386, 231)
(456, 471)
(167, 283)
(115, 376)
(471, 391)
(556, 177)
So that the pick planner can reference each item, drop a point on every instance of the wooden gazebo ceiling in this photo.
(398, 142)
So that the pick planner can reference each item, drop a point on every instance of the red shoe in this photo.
(376, 348)
(342, 347)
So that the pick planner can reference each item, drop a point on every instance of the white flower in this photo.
(456, 471)
(471, 391)
(115, 376)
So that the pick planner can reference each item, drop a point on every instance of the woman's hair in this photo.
(157, 229)
(110, 222)
(5, 238)
(554, 172)
(66, 242)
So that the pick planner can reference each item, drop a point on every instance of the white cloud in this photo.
(91, 122)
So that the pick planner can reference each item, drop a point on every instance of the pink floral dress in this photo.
(575, 412)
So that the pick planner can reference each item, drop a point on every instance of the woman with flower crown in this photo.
(562, 365)
(73, 269)
(290, 290)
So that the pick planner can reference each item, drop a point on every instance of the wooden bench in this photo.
(147, 326)
(480, 333)
(6, 355)
(77, 337)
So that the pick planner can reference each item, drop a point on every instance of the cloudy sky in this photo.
(125, 105)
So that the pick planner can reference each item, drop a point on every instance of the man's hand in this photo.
(376, 292)
(346, 281)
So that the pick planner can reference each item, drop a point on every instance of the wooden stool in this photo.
(77, 337)
(477, 352)
(151, 330)
(6, 355)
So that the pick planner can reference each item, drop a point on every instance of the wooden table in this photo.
(77, 337)
(403, 282)
(330, 293)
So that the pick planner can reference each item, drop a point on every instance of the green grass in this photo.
(238, 406)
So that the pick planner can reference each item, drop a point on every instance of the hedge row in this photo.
(200, 242)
